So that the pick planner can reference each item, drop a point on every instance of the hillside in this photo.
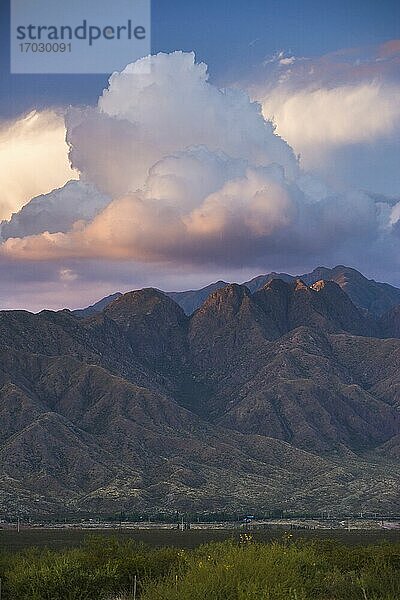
(285, 397)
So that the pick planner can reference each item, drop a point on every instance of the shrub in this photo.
(101, 568)
(104, 569)
(302, 571)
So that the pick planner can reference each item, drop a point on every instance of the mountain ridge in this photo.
(282, 397)
(375, 297)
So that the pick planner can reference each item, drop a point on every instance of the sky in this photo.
(173, 182)
(229, 35)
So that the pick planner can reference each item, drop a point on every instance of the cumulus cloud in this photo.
(340, 112)
(173, 218)
(33, 159)
(160, 105)
(56, 211)
(346, 114)
(196, 179)
(201, 207)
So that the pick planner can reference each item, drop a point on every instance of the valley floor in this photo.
(60, 537)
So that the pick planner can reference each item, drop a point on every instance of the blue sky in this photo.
(229, 35)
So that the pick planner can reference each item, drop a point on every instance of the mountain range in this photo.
(375, 297)
(281, 393)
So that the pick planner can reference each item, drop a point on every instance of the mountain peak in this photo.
(231, 295)
(277, 285)
(146, 302)
(251, 383)
(377, 298)
(153, 323)
(299, 285)
(223, 304)
(192, 299)
(367, 294)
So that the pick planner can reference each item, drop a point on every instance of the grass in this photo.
(284, 571)
(105, 568)
(99, 569)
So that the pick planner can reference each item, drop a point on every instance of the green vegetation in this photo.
(105, 569)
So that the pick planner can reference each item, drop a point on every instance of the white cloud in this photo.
(395, 216)
(67, 275)
(315, 119)
(33, 159)
(56, 211)
(240, 214)
(340, 112)
(198, 180)
(141, 118)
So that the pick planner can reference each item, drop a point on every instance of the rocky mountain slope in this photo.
(287, 397)
(372, 296)
(365, 293)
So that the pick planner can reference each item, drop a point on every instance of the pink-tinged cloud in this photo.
(33, 159)
(56, 211)
(178, 177)
(246, 218)
(340, 112)
(390, 49)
